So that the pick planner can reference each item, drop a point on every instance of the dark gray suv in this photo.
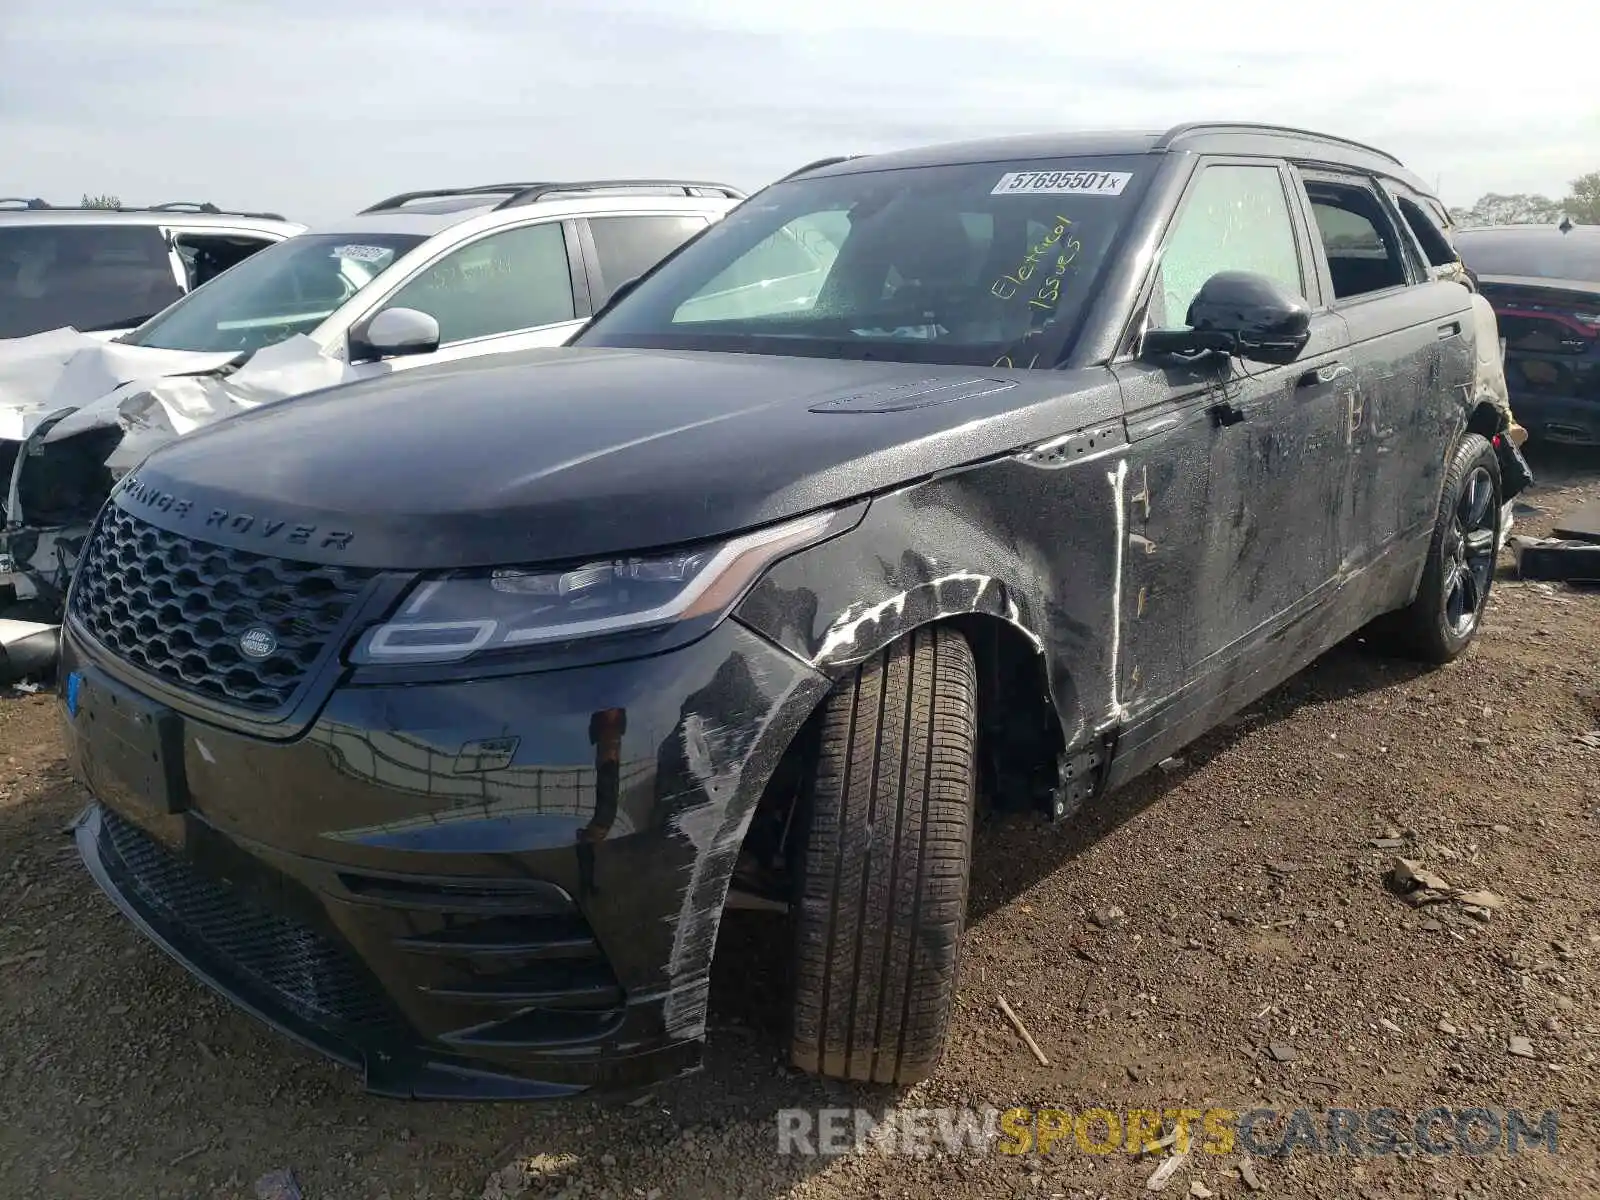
(436, 718)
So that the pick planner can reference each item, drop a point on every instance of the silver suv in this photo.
(103, 271)
(446, 273)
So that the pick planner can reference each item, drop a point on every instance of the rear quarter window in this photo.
(91, 277)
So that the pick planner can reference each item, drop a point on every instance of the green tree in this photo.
(1516, 208)
(1583, 204)
(102, 201)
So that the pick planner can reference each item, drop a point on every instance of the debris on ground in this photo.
(1022, 1029)
(1108, 918)
(1418, 886)
(1247, 1172)
(278, 1185)
(1556, 558)
(1164, 1173)
(1415, 884)
(1520, 1046)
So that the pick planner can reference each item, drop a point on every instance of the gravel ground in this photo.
(1254, 925)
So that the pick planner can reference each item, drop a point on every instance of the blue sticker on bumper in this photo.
(74, 682)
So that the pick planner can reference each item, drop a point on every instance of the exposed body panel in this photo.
(361, 829)
(1033, 539)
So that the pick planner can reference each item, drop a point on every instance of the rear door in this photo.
(1411, 349)
(624, 246)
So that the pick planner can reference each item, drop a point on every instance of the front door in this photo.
(1234, 479)
(509, 290)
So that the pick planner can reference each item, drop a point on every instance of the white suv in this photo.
(444, 274)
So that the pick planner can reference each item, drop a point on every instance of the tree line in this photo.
(1581, 206)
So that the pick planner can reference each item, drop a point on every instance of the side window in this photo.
(1364, 250)
(207, 255)
(1236, 218)
(512, 280)
(1435, 244)
(630, 246)
(91, 277)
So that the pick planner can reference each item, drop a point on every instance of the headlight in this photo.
(452, 617)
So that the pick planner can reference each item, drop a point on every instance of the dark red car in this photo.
(1544, 283)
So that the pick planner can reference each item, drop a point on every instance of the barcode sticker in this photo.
(1079, 183)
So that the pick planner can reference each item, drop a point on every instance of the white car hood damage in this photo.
(154, 395)
(57, 385)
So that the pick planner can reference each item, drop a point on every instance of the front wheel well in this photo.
(1019, 748)
(1485, 420)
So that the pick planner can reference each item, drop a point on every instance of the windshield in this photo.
(1540, 254)
(285, 289)
(979, 264)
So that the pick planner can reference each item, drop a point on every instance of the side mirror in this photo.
(394, 333)
(1242, 313)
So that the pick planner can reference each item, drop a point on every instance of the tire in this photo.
(1441, 622)
(882, 878)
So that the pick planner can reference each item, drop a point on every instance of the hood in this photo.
(63, 368)
(566, 453)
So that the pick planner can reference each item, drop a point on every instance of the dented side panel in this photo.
(1034, 539)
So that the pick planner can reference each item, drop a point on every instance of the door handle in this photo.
(1324, 374)
(1223, 412)
(1449, 329)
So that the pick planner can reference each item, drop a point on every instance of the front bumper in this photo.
(1570, 420)
(445, 886)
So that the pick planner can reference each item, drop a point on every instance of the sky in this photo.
(315, 108)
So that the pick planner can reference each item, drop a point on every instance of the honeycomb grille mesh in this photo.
(307, 972)
(178, 609)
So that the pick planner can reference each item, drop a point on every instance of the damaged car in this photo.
(422, 277)
(437, 719)
(1544, 284)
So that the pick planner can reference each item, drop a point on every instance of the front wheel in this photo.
(882, 883)
(1443, 619)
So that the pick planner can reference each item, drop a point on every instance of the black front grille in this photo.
(178, 608)
(308, 973)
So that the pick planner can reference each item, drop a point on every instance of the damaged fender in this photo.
(1033, 540)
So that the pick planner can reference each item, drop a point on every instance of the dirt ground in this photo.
(1255, 925)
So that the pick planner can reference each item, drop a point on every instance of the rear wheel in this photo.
(882, 881)
(1443, 619)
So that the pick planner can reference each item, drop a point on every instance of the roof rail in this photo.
(817, 166)
(686, 187)
(175, 206)
(1166, 140)
(185, 206)
(487, 189)
(518, 194)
